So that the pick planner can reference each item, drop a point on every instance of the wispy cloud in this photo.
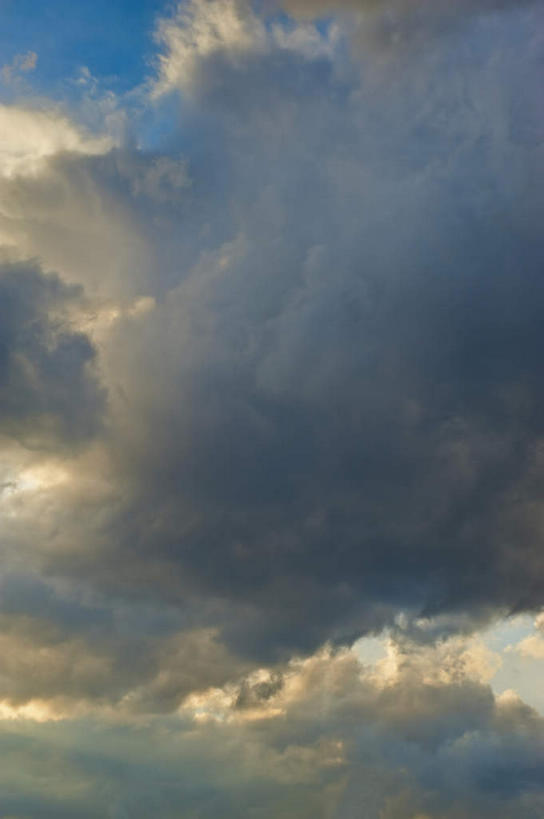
(20, 64)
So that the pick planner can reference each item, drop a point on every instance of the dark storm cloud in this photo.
(330, 409)
(315, 311)
(48, 391)
(341, 413)
(60, 644)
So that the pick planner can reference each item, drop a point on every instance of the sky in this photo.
(271, 409)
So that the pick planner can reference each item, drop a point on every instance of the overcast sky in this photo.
(271, 409)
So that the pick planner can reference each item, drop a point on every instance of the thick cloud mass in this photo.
(325, 394)
(283, 390)
(342, 410)
(328, 738)
(47, 388)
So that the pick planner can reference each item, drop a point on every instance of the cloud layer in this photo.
(325, 738)
(270, 381)
(346, 416)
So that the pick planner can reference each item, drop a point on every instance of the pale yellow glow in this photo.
(34, 710)
(102, 319)
(30, 137)
(38, 478)
(533, 645)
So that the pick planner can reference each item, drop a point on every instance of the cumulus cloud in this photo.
(340, 414)
(199, 30)
(533, 645)
(283, 390)
(48, 390)
(324, 738)
(346, 416)
(21, 63)
(86, 218)
(30, 137)
(204, 34)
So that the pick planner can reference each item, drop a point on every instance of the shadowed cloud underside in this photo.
(271, 389)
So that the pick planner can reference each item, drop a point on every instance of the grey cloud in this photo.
(307, 406)
(134, 674)
(396, 25)
(464, 6)
(80, 217)
(80, 650)
(342, 742)
(254, 695)
(329, 412)
(48, 390)
(341, 409)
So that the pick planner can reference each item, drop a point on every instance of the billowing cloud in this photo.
(48, 390)
(533, 645)
(328, 736)
(339, 328)
(29, 137)
(340, 414)
(202, 29)
(282, 390)
(205, 34)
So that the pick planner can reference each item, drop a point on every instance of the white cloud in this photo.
(532, 646)
(31, 137)
(200, 29)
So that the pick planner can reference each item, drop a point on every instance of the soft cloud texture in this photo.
(48, 391)
(391, 26)
(325, 738)
(30, 137)
(346, 415)
(283, 390)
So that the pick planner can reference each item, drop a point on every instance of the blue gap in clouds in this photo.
(112, 38)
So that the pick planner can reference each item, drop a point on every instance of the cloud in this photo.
(30, 137)
(69, 653)
(201, 29)
(324, 738)
(284, 390)
(49, 392)
(329, 409)
(86, 217)
(532, 646)
(228, 32)
(395, 25)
